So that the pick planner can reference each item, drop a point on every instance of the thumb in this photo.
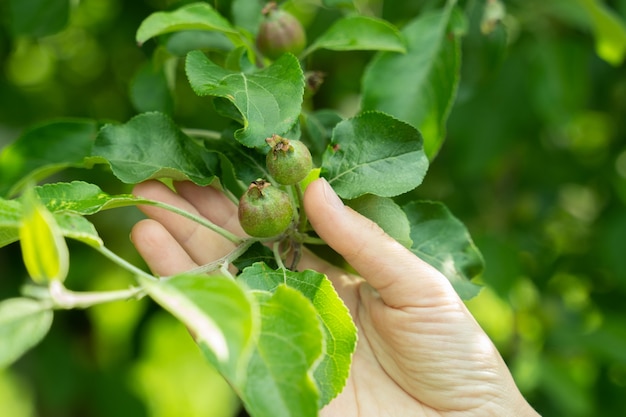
(400, 277)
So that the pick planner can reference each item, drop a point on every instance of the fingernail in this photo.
(331, 197)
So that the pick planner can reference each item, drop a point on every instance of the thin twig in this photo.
(62, 298)
(218, 263)
(200, 220)
(202, 133)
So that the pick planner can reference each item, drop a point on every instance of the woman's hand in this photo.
(419, 353)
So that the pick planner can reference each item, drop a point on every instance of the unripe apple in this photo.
(289, 161)
(280, 32)
(265, 211)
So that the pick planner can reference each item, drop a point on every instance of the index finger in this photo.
(202, 245)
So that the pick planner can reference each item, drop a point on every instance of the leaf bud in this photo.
(44, 250)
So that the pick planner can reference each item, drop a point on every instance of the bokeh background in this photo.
(534, 165)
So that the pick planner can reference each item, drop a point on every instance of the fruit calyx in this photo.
(256, 187)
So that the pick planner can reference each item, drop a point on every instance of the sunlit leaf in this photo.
(44, 150)
(279, 382)
(192, 16)
(265, 345)
(331, 372)
(71, 225)
(44, 250)
(609, 31)
(81, 198)
(23, 323)
(78, 228)
(171, 364)
(218, 313)
(360, 33)
(376, 154)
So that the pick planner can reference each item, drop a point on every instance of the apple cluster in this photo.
(265, 210)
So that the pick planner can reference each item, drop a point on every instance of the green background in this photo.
(534, 164)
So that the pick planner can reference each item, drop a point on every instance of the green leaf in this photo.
(387, 214)
(78, 228)
(10, 218)
(71, 225)
(356, 32)
(192, 16)
(37, 18)
(181, 43)
(23, 323)
(149, 90)
(349, 4)
(376, 154)
(418, 87)
(44, 150)
(258, 252)
(265, 345)
(609, 31)
(248, 14)
(442, 240)
(150, 145)
(268, 100)
(219, 314)
(70, 201)
(279, 381)
(606, 23)
(239, 60)
(331, 372)
(248, 164)
(81, 198)
(229, 180)
(317, 129)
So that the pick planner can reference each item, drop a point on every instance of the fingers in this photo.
(201, 244)
(400, 277)
(159, 249)
(212, 204)
(171, 243)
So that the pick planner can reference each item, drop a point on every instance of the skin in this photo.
(420, 352)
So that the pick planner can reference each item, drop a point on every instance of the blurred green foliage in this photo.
(534, 165)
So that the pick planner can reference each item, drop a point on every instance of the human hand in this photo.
(420, 352)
